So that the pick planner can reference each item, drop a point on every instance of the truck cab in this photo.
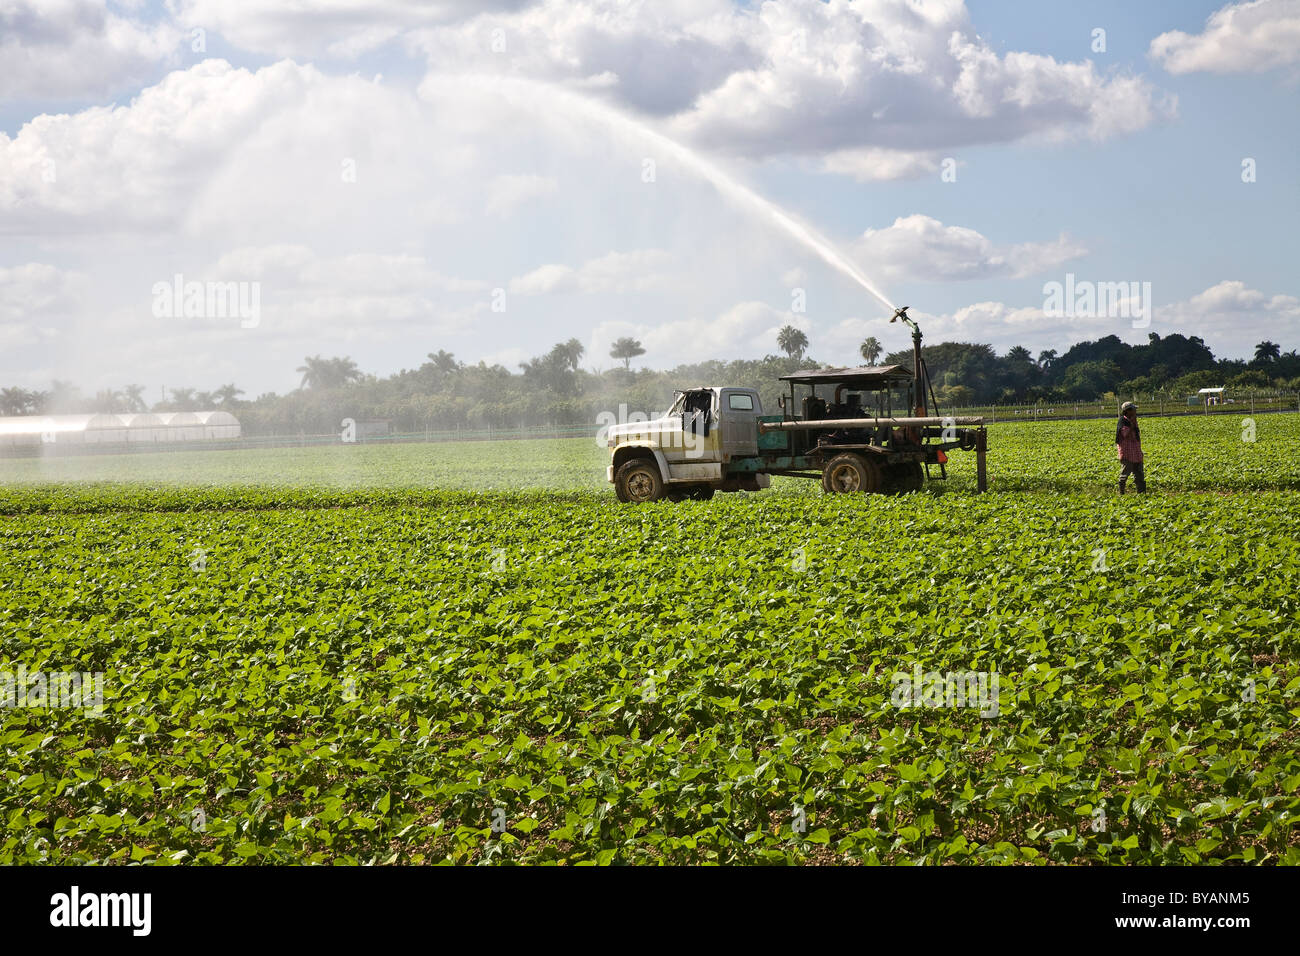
(687, 452)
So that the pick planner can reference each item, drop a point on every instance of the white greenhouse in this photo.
(106, 429)
(144, 427)
(182, 426)
(218, 426)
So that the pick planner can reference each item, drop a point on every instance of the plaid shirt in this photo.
(1130, 446)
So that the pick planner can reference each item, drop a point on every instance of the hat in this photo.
(1126, 406)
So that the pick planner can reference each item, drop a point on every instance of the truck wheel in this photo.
(847, 473)
(638, 481)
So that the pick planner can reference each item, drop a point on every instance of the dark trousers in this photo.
(1133, 468)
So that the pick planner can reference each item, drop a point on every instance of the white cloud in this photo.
(37, 289)
(142, 164)
(352, 295)
(983, 315)
(919, 247)
(548, 278)
(1233, 296)
(54, 49)
(510, 358)
(298, 267)
(506, 192)
(746, 330)
(342, 28)
(655, 57)
(873, 164)
(641, 270)
(35, 302)
(216, 148)
(909, 78)
(875, 88)
(1239, 38)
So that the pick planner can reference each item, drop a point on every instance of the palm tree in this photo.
(626, 348)
(343, 371)
(183, 400)
(1019, 355)
(134, 395)
(557, 370)
(313, 372)
(228, 395)
(568, 353)
(443, 361)
(62, 396)
(16, 401)
(871, 349)
(320, 372)
(1267, 351)
(110, 400)
(791, 341)
(1046, 357)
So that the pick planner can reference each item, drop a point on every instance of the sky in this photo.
(387, 179)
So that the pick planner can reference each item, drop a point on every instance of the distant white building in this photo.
(102, 429)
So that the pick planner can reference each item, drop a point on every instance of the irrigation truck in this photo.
(865, 429)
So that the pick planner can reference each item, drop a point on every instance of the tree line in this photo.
(555, 389)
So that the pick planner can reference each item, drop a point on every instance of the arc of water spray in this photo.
(547, 95)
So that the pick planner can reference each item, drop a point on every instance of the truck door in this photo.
(696, 436)
(739, 413)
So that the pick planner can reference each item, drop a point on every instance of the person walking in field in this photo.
(1128, 447)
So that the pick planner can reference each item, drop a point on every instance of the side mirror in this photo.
(780, 402)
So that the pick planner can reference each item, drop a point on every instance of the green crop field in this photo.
(472, 653)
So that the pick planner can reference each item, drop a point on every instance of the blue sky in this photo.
(499, 199)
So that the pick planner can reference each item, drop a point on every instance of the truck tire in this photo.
(847, 473)
(638, 481)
